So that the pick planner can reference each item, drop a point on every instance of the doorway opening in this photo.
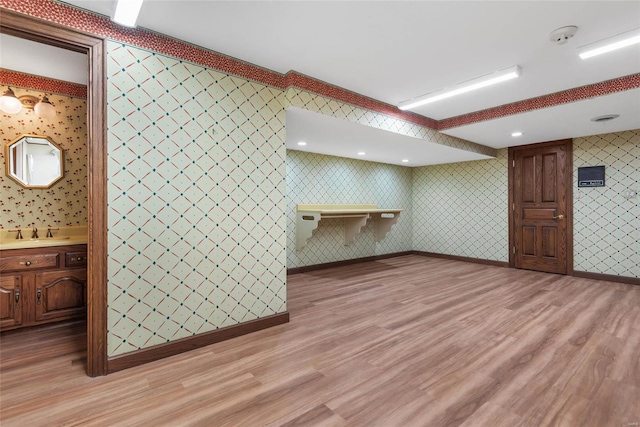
(21, 26)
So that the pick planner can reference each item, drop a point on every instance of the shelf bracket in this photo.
(352, 227)
(384, 222)
(306, 223)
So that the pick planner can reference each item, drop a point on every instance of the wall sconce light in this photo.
(12, 104)
(9, 103)
(45, 108)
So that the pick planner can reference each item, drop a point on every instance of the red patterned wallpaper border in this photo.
(92, 23)
(89, 22)
(43, 84)
(99, 25)
(301, 81)
(570, 95)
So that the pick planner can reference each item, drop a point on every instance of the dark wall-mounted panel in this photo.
(591, 176)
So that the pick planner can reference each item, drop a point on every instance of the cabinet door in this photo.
(61, 294)
(11, 300)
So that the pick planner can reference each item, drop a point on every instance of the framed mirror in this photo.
(34, 161)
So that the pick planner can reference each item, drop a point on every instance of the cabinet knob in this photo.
(27, 263)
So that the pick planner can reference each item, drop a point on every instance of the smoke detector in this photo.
(562, 34)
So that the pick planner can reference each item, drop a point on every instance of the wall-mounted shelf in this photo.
(355, 217)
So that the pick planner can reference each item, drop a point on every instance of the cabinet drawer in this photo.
(75, 259)
(29, 262)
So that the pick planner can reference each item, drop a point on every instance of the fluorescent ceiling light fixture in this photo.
(405, 160)
(302, 143)
(127, 12)
(361, 153)
(516, 134)
(468, 86)
(608, 45)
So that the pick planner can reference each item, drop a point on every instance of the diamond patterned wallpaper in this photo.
(319, 179)
(196, 198)
(330, 107)
(606, 227)
(461, 209)
(64, 204)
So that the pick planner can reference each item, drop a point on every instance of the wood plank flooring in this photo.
(407, 341)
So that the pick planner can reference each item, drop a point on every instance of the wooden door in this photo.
(61, 294)
(11, 300)
(541, 207)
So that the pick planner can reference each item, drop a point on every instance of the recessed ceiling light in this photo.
(361, 153)
(608, 45)
(302, 143)
(516, 134)
(405, 160)
(605, 118)
(468, 86)
(127, 12)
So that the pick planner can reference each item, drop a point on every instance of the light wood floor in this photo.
(409, 341)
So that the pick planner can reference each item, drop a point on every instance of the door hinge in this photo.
(514, 164)
(514, 250)
(513, 207)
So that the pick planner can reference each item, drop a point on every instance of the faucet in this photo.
(17, 230)
(50, 229)
(34, 235)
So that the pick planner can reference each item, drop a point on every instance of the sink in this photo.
(49, 239)
(64, 236)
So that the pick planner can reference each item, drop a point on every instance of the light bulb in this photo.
(45, 109)
(9, 103)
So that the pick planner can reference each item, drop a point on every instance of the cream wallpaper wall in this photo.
(64, 204)
(606, 225)
(320, 179)
(196, 198)
(461, 209)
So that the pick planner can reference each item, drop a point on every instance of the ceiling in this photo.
(44, 60)
(329, 135)
(396, 50)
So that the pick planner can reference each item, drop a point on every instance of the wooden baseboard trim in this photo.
(608, 277)
(146, 355)
(463, 258)
(307, 268)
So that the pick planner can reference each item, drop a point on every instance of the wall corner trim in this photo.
(342, 263)
(308, 268)
(607, 277)
(463, 258)
(157, 352)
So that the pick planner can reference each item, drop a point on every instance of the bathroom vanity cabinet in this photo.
(42, 285)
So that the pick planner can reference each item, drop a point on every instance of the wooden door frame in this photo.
(568, 146)
(41, 31)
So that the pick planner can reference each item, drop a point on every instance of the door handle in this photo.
(558, 217)
(17, 296)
